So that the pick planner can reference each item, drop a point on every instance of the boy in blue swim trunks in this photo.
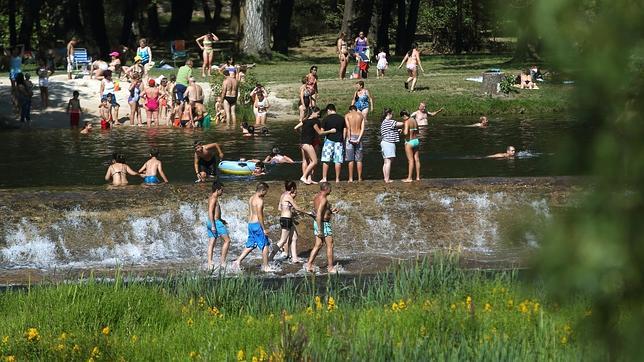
(257, 232)
(324, 234)
(151, 168)
(215, 226)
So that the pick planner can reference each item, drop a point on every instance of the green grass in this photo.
(415, 312)
(443, 85)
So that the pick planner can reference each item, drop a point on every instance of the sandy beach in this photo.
(60, 92)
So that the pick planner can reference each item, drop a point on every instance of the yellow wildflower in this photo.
(76, 348)
(10, 359)
(95, 352)
(510, 303)
(190, 322)
(32, 335)
(564, 339)
(318, 303)
(394, 307)
(202, 302)
(523, 307)
(255, 359)
(59, 347)
(309, 310)
(423, 331)
(194, 354)
(134, 338)
(452, 307)
(535, 307)
(262, 354)
(5, 339)
(567, 329)
(184, 310)
(215, 312)
(241, 356)
(106, 331)
(427, 305)
(191, 302)
(330, 304)
(487, 307)
(63, 337)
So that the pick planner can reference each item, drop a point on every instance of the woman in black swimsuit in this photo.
(310, 131)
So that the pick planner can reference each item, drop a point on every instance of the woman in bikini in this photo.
(412, 61)
(119, 170)
(343, 54)
(412, 145)
(151, 96)
(205, 43)
(288, 207)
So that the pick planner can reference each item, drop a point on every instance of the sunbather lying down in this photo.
(525, 81)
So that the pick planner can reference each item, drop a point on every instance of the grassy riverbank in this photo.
(443, 85)
(412, 313)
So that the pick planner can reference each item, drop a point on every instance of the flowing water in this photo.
(58, 220)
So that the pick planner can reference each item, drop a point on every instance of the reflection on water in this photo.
(60, 157)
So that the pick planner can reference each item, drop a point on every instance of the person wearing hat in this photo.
(136, 68)
(115, 63)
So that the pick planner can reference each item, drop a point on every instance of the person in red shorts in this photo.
(104, 110)
(74, 110)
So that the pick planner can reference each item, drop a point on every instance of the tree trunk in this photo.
(256, 40)
(374, 23)
(527, 45)
(383, 27)
(216, 17)
(154, 28)
(283, 27)
(180, 19)
(207, 17)
(348, 17)
(95, 18)
(458, 49)
(72, 18)
(129, 9)
(235, 21)
(13, 39)
(27, 24)
(412, 22)
(401, 29)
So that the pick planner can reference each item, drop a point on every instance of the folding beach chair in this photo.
(178, 50)
(81, 58)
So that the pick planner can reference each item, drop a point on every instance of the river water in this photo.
(57, 217)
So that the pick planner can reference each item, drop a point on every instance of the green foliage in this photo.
(418, 310)
(597, 247)
(507, 85)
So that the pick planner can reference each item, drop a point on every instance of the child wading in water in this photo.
(151, 168)
(105, 111)
(257, 232)
(216, 226)
(74, 110)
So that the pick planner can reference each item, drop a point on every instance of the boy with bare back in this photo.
(70, 56)
(354, 127)
(229, 94)
(322, 227)
(257, 232)
(216, 226)
(151, 168)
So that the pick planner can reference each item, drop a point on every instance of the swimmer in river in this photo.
(483, 123)
(260, 169)
(216, 226)
(322, 227)
(276, 157)
(287, 207)
(118, 171)
(87, 128)
(151, 168)
(205, 160)
(421, 115)
(257, 232)
(510, 152)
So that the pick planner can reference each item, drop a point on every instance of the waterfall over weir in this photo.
(489, 220)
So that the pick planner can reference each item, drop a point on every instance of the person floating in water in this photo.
(510, 152)
(216, 226)
(322, 228)
(276, 157)
(257, 232)
(151, 168)
(119, 170)
(483, 123)
(205, 160)
(87, 128)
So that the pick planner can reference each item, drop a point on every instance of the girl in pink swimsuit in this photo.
(152, 103)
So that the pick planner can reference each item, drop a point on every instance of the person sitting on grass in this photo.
(509, 153)
(525, 80)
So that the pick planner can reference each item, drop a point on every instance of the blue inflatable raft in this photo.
(240, 168)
